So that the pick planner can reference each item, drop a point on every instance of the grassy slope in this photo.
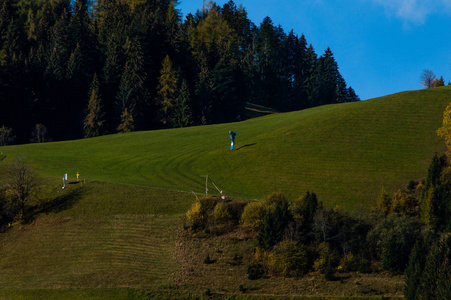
(101, 235)
(344, 152)
(124, 235)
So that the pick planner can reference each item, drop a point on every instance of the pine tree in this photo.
(353, 97)
(310, 84)
(132, 94)
(415, 268)
(94, 120)
(326, 78)
(74, 64)
(432, 201)
(181, 113)
(127, 122)
(274, 224)
(228, 91)
(435, 279)
(168, 90)
(341, 91)
(204, 92)
(300, 75)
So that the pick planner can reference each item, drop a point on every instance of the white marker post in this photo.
(64, 180)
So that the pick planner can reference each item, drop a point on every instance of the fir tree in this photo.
(132, 94)
(274, 224)
(167, 90)
(435, 279)
(74, 65)
(352, 95)
(127, 122)
(181, 113)
(94, 120)
(417, 261)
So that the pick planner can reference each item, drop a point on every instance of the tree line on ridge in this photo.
(72, 69)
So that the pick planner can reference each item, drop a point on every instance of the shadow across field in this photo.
(58, 204)
(63, 202)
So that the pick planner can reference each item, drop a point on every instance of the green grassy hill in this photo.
(120, 230)
(345, 153)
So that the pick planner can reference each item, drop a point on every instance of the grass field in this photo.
(345, 153)
(116, 237)
(98, 236)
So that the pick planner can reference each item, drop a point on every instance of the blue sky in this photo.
(381, 46)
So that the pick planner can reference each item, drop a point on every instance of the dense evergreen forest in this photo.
(72, 69)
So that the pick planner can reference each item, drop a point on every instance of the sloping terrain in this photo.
(345, 153)
(120, 229)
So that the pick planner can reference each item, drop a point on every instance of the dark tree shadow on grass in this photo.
(58, 204)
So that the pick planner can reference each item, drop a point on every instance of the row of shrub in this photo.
(293, 238)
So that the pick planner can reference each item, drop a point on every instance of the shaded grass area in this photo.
(138, 294)
(100, 235)
(101, 252)
(107, 199)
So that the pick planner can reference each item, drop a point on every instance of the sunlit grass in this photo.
(120, 229)
(343, 152)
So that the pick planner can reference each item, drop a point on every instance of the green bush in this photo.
(221, 213)
(349, 263)
(255, 271)
(323, 253)
(276, 219)
(292, 259)
(253, 215)
(304, 209)
(329, 272)
(392, 238)
(435, 278)
(364, 266)
(198, 214)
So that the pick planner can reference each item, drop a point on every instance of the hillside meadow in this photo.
(118, 235)
(343, 152)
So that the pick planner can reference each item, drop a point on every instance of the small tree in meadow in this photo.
(21, 182)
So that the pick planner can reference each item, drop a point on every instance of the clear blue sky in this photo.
(381, 46)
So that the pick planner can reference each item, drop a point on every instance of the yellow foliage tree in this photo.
(445, 130)
(212, 33)
(253, 215)
(384, 202)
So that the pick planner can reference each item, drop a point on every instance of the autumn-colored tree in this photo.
(21, 182)
(93, 123)
(127, 122)
(445, 130)
(384, 202)
(167, 90)
(438, 82)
